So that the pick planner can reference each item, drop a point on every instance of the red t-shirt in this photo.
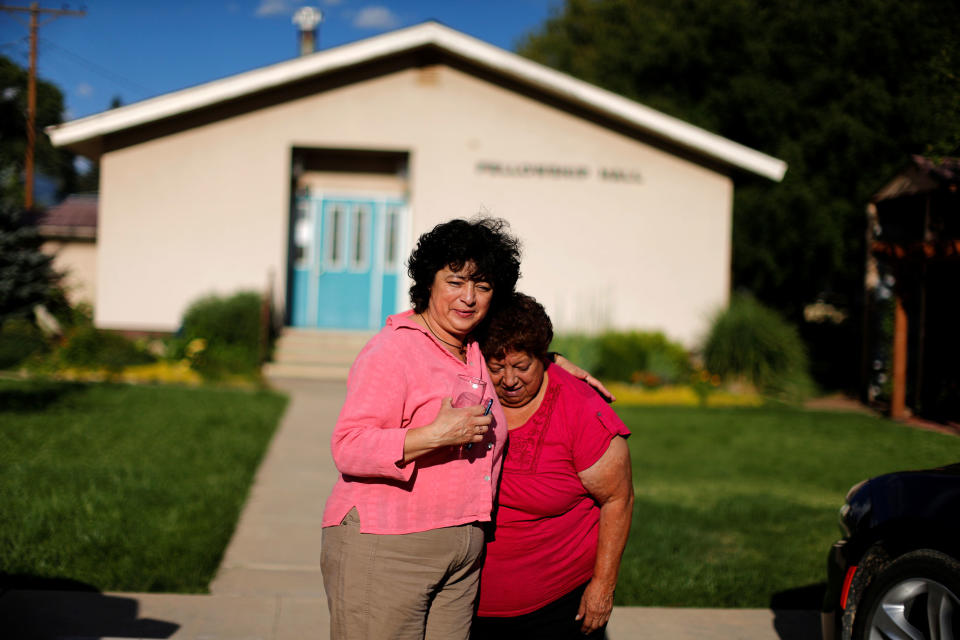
(545, 539)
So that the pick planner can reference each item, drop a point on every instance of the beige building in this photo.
(69, 232)
(318, 174)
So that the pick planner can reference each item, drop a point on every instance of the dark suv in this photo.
(896, 571)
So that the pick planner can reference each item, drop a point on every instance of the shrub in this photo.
(230, 330)
(76, 315)
(646, 358)
(578, 348)
(750, 341)
(20, 339)
(92, 348)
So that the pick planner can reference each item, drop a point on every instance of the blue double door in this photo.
(346, 261)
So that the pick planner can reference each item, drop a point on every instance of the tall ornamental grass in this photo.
(751, 342)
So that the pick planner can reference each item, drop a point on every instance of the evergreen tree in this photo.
(27, 277)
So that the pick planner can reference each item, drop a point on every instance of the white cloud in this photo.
(84, 90)
(376, 18)
(276, 7)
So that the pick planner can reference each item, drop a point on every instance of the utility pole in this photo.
(35, 11)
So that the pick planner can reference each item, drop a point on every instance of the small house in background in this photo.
(912, 311)
(69, 232)
(316, 175)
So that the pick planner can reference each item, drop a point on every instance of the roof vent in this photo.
(307, 18)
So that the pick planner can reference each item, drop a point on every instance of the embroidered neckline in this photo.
(544, 411)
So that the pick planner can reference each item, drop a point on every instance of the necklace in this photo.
(459, 347)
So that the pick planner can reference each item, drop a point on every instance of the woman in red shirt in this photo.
(566, 492)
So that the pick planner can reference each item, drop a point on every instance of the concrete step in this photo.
(288, 354)
(310, 371)
(314, 354)
(311, 337)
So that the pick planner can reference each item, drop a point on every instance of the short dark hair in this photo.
(519, 324)
(483, 241)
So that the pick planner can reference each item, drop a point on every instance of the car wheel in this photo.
(915, 597)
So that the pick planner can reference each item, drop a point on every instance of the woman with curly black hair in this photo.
(402, 538)
(402, 529)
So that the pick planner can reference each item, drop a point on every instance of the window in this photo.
(333, 238)
(391, 238)
(360, 237)
(303, 234)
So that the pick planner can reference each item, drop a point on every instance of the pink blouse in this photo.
(397, 383)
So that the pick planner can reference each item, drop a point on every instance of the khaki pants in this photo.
(409, 586)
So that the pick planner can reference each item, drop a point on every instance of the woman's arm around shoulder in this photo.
(582, 374)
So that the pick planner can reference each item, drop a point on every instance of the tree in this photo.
(54, 163)
(842, 91)
(27, 277)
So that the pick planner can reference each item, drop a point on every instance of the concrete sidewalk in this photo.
(269, 585)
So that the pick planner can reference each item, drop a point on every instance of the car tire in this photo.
(915, 596)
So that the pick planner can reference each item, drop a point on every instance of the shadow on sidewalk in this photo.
(56, 608)
(796, 612)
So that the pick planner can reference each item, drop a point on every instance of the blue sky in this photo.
(136, 49)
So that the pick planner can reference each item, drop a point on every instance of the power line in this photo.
(112, 76)
(35, 11)
(14, 43)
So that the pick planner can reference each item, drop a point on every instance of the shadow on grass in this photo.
(55, 608)
(35, 395)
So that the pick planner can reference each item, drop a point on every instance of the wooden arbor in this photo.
(913, 266)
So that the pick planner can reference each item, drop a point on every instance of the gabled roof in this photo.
(75, 217)
(535, 75)
(923, 175)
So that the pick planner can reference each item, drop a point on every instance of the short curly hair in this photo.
(483, 241)
(520, 324)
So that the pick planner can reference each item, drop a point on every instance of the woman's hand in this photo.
(595, 606)
(460, 426)
(451, 427)
(584, 375)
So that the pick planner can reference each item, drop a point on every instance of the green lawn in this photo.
(736, 505)
(132, 488)
(123, 487)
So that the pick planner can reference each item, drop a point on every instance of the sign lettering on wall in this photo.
(559, 171)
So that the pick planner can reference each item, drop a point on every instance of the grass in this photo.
(124, 488)
(738, 507)
(138, 488)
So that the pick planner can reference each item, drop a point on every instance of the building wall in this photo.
(206, 209)
(77, 260)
